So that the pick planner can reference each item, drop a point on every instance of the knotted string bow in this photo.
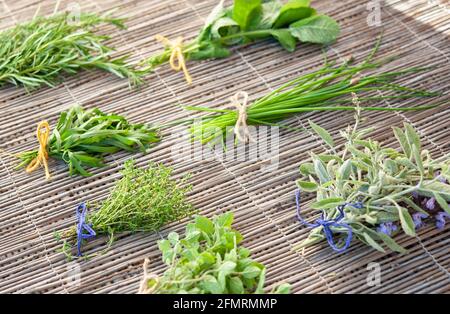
(176, 61)
(240, 100)
(82, 226)
(328, 223)
(42, 134)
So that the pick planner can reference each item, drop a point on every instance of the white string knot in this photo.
(240, 101)
(144, 288)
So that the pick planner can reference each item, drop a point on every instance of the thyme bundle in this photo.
(143, 200)
(244, 22)
(207, 260)
(322, 90)
(38, 52)
(372, 191)
(82, 137)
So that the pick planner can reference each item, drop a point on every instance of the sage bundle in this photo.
(373, 192)
(39, 52)
(321, 90)
(82, 138)
(208, 260)
(143, 200)
(244, 22)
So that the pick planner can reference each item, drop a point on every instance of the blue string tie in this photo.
(328, 223)
(84, 230)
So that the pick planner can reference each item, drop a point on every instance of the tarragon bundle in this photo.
(82, 137)
(327, 89)
(207, 260)
(38, 52)
(143, 200)
(249, 20)
(372, 191)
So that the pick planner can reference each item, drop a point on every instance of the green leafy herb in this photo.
(249, 20)
(82, 137)
(397, 189)
(208, 260)
(322, 90)
(143, 200)
(38, 52)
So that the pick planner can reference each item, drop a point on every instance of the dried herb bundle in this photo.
(322, 90)
(207, 260)
(143, 200)
(38, 52)
(374, 191)
(82, 137)
(247, 21)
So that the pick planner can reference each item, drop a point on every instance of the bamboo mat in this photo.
(31, 209)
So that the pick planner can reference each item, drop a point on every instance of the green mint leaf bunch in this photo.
(391, 184)
(40, 52)
(82, 138)
(249, 20)
(209, 260)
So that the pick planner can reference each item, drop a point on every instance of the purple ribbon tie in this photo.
(328, 223)
(84, 230)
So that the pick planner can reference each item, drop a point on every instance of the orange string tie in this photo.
(42, 134)
(176, 61)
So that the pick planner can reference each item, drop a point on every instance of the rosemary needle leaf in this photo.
(39, 52)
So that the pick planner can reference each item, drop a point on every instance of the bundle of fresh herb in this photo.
(143, 200)
(208, 260)
(82, 137)
(371, 191)
(246, 21)
(321, 90)
(38, 52)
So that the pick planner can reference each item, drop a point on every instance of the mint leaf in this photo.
(247, 13)
(319, 29)
(285, 38)
(293, 11)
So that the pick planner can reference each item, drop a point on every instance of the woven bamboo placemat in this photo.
(31, 209)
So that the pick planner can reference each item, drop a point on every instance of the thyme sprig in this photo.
(38, 52)
(82, 137)
(143, 200)
(390, 184)
(209, 259)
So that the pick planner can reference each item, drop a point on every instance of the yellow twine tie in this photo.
(42, 134)
(177, 61)
(240, 100)
(143, 288)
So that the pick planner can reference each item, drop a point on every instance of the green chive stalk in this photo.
(322, 90)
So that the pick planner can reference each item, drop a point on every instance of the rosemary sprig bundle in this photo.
(246, 21)
(207, 260)
(372, 191)
(38, 52)
(322, 90)
(82, 137)
(143, 200)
